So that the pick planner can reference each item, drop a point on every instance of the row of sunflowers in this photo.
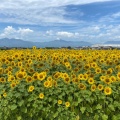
(59, 84)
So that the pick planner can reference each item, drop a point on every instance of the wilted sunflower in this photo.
(107, 90)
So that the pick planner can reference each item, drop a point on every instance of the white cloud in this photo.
(37, 11)
(50, 32)
(116, 15)
(11, 32)
(65, 34)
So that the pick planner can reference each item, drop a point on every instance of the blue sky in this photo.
(95, 21)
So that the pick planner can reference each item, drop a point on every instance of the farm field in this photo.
(59, 84)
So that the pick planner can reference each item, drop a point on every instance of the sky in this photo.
(95, 21)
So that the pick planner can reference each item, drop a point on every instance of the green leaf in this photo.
(19, 118)
(70, 98)
(80, 100)
(13, 107)
(21, 103)
(24, 110)
(96, 117)
(111, 107)
(50, 99)
(104, 117)
(99, 106)
(59, 109)
(55, 115)
(76, 103)
(82, 109)
(114, 117)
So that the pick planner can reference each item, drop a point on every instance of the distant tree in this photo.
(69, 47)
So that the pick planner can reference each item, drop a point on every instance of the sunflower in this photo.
(13, 63)
(102, 78)
(29, 79)
(100, 87)
(35, 76)
(41, 95)
(31, 71)
(109, 71)
(67, 104)
(118, 75)
(64, 75)
(75, 80)
(93, 87)
(49, 78)
(41, 76)
(107, 80)
(107, 90)
(113, 78)
(11, 78)
(20, 75)
(98, 70)
(91, 81)
(22, 69)
(59, 102)
(67, 80)
(87, 66)
(82, 86)
(94, 65)
(1, 71)
(2, 80)
(80, 76)
(85, 76)
(31, 88)
(34, 47)
(47, 84)
(73, 76)
(4, 94)
(19, 64)
(56, 75)
(13, 84)
(54, 83)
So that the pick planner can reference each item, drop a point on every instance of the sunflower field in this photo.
(59, 84)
